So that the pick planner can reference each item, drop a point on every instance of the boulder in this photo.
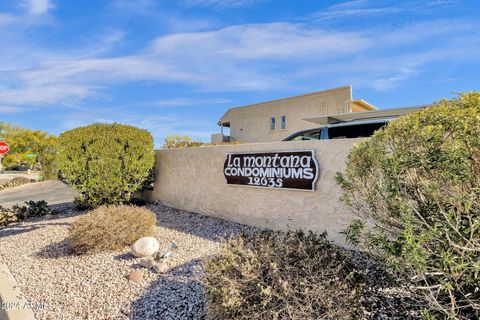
(145, 247)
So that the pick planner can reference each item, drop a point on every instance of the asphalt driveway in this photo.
(53, 191)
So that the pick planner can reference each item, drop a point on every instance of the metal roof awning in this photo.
(372, 114)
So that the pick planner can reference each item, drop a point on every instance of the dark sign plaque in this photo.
(296, 169)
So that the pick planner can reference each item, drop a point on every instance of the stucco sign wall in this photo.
(296, 170)
(193, 179)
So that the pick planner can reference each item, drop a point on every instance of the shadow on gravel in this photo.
(19, 228)
(177, 294)
(209, 228)
(64, 210)
(124, 256)
(55, 250)
(16, 229)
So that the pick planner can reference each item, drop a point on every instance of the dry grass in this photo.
(110, 228)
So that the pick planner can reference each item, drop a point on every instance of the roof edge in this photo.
(287, 98)
(364, 103)
(363, 115)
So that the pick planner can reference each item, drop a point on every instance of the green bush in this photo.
(277, 275)
(418, 182)
(47, 157)
(111, 228)
(105, 163)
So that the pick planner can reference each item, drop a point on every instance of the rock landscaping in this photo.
(145, 247)
(158, 277)
(114, 285)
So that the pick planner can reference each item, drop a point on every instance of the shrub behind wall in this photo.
(418, 181)
(105, 163)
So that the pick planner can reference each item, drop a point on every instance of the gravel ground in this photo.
(66, 286)
(62, 285)
(383, 300)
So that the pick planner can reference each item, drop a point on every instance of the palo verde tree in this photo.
(179, 141)
(29, 147)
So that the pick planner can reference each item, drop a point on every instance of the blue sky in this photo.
(175, 66)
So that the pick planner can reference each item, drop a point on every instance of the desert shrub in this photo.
(110, 228)
(32, 209)
(105, 163)
(7, 216)
(417, 182)
(15, 182)
(19, 213)
(278, 275)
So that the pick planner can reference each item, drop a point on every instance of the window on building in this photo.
(323, 108)
(306, 135)
(272, 123)
(354, 131)
(283, 122)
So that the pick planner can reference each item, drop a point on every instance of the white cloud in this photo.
(37, 7)
(158, 126)
(220, 3)
(331, 14)
(356, 8)
(10, 109)
(182, 102)
(262, 41)
(252, 57)
(350, 4)
(6, 19)
(368, 8)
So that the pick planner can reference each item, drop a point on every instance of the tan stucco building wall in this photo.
(252, 123)
(192, 179)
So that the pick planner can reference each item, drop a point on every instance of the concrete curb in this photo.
(13, 305)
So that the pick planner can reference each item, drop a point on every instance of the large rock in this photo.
(145, 247)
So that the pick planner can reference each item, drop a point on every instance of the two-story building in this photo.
(275, 120)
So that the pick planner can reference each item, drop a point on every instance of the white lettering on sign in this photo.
(283, 169)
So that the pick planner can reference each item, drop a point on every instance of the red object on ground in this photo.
(4, 148)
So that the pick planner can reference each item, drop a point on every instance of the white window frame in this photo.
(273, 123)
(283, 124)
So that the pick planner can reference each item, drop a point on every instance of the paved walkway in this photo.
(14, 306)
(53, 191)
